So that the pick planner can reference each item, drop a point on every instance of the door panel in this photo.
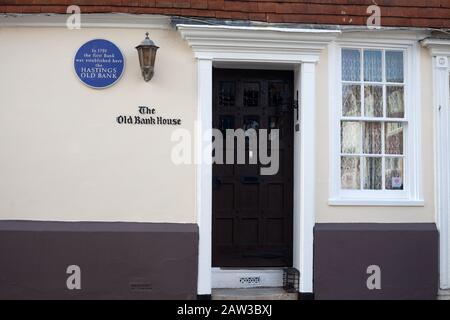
(252, 213)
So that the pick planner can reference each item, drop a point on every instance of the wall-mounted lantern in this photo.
(147, 54)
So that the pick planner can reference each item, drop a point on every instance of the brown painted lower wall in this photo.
(117, 260)
(159, 261)
(407, 255)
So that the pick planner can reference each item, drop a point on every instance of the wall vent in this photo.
(250, 281)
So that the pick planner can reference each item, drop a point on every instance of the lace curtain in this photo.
(372, 151)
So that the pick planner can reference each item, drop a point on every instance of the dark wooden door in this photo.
(253, 213)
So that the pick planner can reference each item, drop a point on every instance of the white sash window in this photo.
(375, 131)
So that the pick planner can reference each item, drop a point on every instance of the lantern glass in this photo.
(147, 56)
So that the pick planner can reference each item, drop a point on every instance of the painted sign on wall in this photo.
(99, 63)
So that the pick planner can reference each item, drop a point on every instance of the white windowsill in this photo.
(376, 202)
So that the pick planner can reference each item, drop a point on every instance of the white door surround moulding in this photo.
(297, 47)
(256, 44)
(440, 51)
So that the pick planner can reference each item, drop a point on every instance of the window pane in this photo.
(276, 122)
(227, 93)
(394, 66)
(373, 101)
(372, 173)
(351, 65)
(278, 94)
(394, 138)
(394, 173)
(251, 122)
(226, 122)
(372, 137)
(350, 176)
(351, 137)
(351, 100)
(251, 94)
(395, 104)
(372, 65)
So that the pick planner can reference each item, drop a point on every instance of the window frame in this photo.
(411, 195)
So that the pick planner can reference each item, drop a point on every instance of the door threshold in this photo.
(253, 294)
(240, 278)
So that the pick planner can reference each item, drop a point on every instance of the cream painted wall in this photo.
(64, 157)
(329, 214)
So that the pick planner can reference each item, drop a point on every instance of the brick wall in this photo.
(406, 13)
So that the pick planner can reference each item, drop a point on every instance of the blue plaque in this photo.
(99, 63)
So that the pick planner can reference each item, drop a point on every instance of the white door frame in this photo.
(299, 48)
(440, 51)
